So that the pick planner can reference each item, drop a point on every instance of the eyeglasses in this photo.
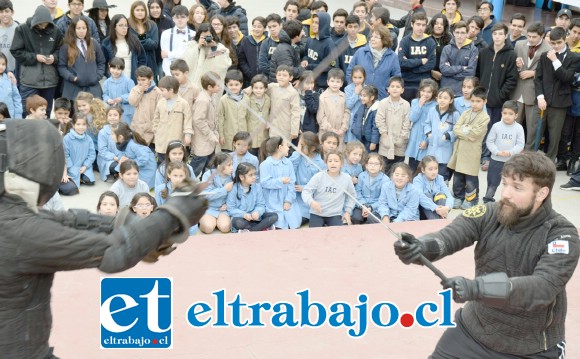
(143, 205)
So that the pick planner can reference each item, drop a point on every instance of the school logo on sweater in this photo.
(475, 212)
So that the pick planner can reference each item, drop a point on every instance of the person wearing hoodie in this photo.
(229, 8)
(485, 10)
(378, 60)
(417, 55)
(274, 25)
(76, 9)
(458, 59)
(35, 47)
(249, 49)
(350, 43)
(319, 52)
(497, 70)
(287, 52)
(338, 31)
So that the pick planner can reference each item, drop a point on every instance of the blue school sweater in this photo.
(429, 189)
(106, 151)
(418, 116)
(441, 125)
(144, 158)
(240, 202)
(79, 151)
(215, 193)
(411, 52)
(305, 170)
(121, 87)
(368, 189)
(404, 207)
(318, 49)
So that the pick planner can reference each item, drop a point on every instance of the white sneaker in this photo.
(243, 231)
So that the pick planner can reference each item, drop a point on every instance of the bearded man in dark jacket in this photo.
(525, 253)
(37, 244)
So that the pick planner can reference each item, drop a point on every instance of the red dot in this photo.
(407, 320)
(154, 341)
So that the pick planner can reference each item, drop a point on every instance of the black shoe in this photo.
(569, 187)
(110, 179)
(571, 167)
(561, 166)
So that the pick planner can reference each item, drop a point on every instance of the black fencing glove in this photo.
(409, 249)
(493, 288)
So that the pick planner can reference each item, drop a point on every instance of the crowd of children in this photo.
(286, 130)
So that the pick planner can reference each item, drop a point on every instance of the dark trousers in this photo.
(553, 119)
(357, 217)
(466, 187)
(160, 158)
(199, 164)
(493, 179)
(458, 343)
(112, 170)
(413, 163)
(68, 189)
(410, 92)
(47, 94)
(445, 171)
(389, 163)
(439, 200)
(494, 117)
(318, 221)
(268, 219)
(575, 179)
(569, 146)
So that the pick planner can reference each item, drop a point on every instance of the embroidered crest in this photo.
(475, 212)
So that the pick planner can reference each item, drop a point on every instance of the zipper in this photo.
(550, 318)
(491, 74)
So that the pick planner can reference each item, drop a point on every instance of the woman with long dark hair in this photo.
(124, 44)
(220, 26)
(438, 28)
(163, 22)
(146, 31)
(81, 63)
(99, 13)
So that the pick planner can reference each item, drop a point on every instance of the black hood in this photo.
(41, 15)
(32, 149)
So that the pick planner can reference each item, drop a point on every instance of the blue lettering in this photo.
(305, 310)
(283, 310)
(341, 315)
(236, 307)
(447, 309)
(192, 314)
(420, 317)
(393, 313)
(256, 322)
(221, 308)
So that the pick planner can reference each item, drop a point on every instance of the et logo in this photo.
(136, 313)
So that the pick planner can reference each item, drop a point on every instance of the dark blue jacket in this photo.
(88, 73)
(266, 50)
(336, 37)
(137, 58)
(248, 52)
(486, 33)
(387, 67)
(366, 132)
(150, 42)
(64, 22)
(309, 122)
(411, 52)
(321, 49)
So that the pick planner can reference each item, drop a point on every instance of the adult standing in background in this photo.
(146, 31)
(35, 47)
(99, 13)
(163, 22)
(378, 60)
(76, 9)
(124, 44)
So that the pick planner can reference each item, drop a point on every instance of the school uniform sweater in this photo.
(330, 193)
(438, 125)
(144, 158)
(368, 189)
(240, 201)
(305, 169)
(403, 206)
(126, 193)
(171, 123)
(411, 53)
(79, 151)
(503, 137)
(107, 151)
(10, 96)
(121, 87)
(457, 63)
(232, 119)
(216, 193)
(319, 49)
(429, 189)
(418, 116)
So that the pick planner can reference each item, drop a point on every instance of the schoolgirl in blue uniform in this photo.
(79, 153)
(420, 107)
(108, 155)
(175, 152)
(368, 190)
(436, 200)
(220, 183)
(354, 152)
(242, 141)
(246, 204)
(136, 149)
(399, 200)
(278, 182)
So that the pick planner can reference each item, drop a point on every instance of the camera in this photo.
(208, 38)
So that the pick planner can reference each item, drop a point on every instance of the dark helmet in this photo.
(32, 149)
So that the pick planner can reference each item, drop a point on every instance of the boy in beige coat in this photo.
(205, 128)
(187, 90)
(470, 131)
(392, 120)
(144, 98)
(232, 110)
(285, 105)
(333, 115)
(172, 118)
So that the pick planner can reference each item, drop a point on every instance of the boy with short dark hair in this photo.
(187, 90)
(381, 16)
(319, 49)
(172, 117)
(62, 108)
(416, 55)
(485, 11)
(354, 39)
(286, 52)
(553, 85)
(233, 30)
(505, 139)
(205, 129)
(7, 28)
(338, 30)
(361, 10)
(470, 130)
(392, 121)
(117, 87)
(274, 25)
(232, 110)
(285, 109)
(36, 107)
(173, 42)
(333, 115)
(144, 97)
(291, 10)
(517, 25)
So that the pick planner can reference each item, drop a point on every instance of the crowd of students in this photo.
(353, 100)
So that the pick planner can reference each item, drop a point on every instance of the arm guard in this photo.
(494, 288)
(81, 219)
